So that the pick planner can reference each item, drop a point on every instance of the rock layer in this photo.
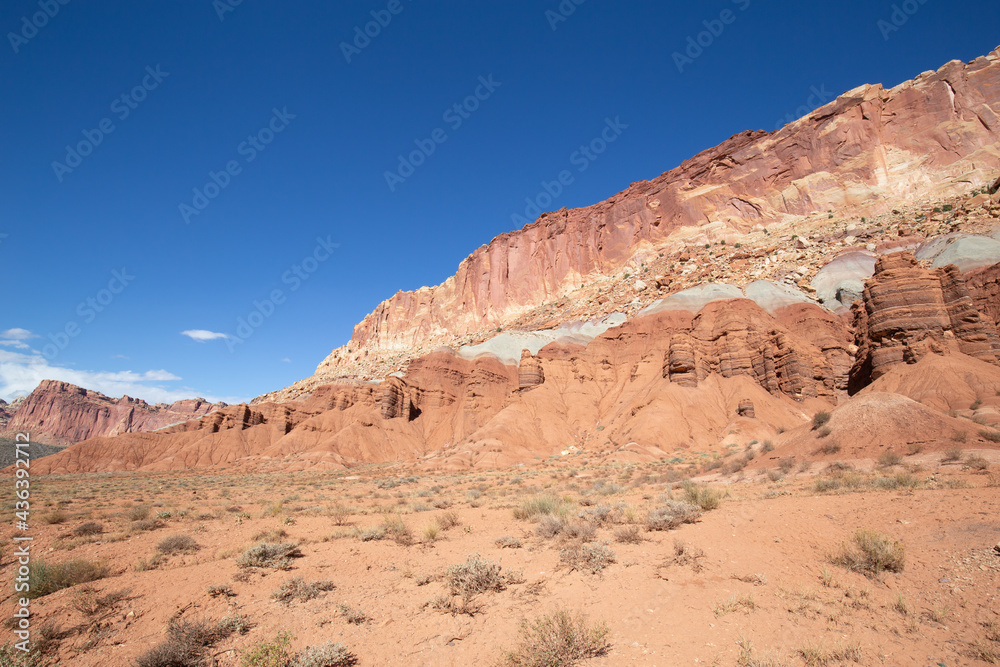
(733, 359)
(908, 312)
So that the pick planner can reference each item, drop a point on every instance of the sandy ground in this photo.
(756, 585)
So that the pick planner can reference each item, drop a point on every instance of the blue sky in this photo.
(171, 167)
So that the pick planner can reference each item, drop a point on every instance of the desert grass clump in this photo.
(268, 653)
(889, 458)
(187, 643)
(602, 514)
(267, 554)
(628, 534)
(549, 526)
(235, 624)
(222, 590)
(339, 514)
(137, 512)
(786, 464)
(397, 529)
(269, 535)
(672, 514)
(560, 639)
(352, 615)
(476, 575)
(871, 554)
(448, 520)
(430, 532)
(329, 654)
(537, 506)
(371, 534)
(816, 655)
(54, 518)
(301, 590)
(735, 603)
(508, 542)
(952, 455)
(583, 532)
(592, 557)
(89, 602)
(147, 525)
(820, 419)
(977, 463)
(176, 544)
(45, 578)
(87, 529)
(829, 447)
(704, 497)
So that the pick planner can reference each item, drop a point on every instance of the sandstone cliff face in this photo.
(908, 312)
(60, 413)
(984, 287)
(732, 360)
(868, 150)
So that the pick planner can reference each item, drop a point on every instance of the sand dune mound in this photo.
(870, 424)
(945, 383)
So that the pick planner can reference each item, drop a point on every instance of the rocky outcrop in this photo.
(60, 413)
(984, 287)
(907, 312)
(733, 358)
(867, 151)
(737, 337)
(529, 372)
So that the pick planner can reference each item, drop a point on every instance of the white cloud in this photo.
(287, 360)
(17, 334)
(202, 335)
(16, 344)
(21, 373)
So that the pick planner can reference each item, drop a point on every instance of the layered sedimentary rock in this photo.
(61, 413)
(867, 151)
(738, 360)
(907, 312)
(984, 287)
(737, 337)
(530, 373)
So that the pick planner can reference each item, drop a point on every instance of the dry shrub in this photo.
(672, 514)
(187, 643)
(45, 578)
(265, 554)
(476, 575)
(820, 419)
(448, 520)
(89, 528)
(329, 654)
(507, 542)
(871, 554)
(628, 535)
(550, 526)
(592, 557)
(532, 508)
(560, 639)
(299, 589)
(269, 535)
(889, 458)
(176, 544)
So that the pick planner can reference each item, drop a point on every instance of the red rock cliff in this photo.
(868, 150)
(60, 413)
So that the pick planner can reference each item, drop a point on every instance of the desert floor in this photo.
(756, 580)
